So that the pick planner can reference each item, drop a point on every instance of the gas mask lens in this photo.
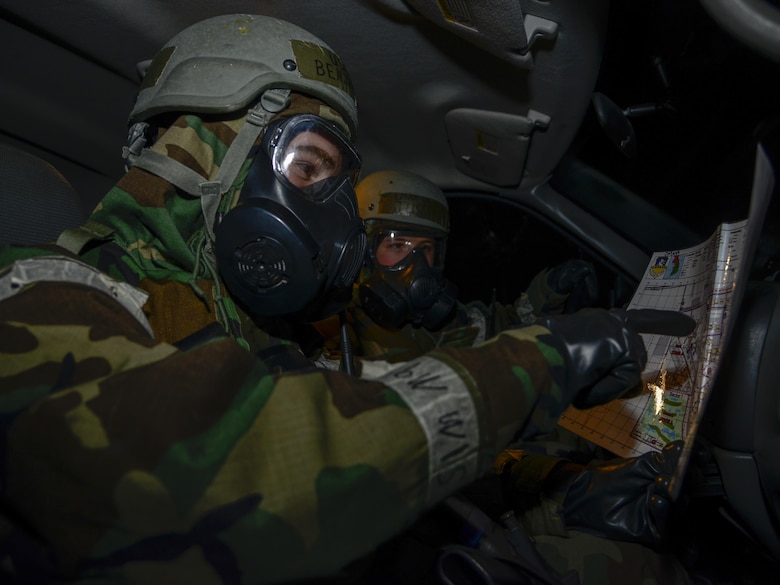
(392, 249)
(312, 154)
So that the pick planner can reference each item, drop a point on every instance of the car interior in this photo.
(557, 129)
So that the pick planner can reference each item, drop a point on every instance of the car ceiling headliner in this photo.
(68, 91)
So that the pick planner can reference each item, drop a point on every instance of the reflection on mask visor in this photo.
(308, 150)
(393, 248)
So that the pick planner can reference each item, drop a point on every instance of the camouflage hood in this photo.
(161, 229)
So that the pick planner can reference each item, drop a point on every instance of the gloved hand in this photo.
(566, 276)
(565, 288)
(624, 499)
(603, 353)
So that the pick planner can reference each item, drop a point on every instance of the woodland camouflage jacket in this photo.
(134, 452)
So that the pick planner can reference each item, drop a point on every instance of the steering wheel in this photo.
(754, 22)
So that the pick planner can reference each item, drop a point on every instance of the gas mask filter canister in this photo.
(294, 243)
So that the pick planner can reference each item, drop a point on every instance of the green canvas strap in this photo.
(75, 239)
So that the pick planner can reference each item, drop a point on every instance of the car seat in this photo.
(741, 426)
(37, 201)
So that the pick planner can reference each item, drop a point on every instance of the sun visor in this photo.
(492, 146)
(499, 27)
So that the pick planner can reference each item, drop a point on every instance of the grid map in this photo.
(698, 281)
(701, 281)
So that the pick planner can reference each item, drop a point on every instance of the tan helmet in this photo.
(401, 197)
(223, 64)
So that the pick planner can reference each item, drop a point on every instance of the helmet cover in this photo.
(403, 198)
(223, 64)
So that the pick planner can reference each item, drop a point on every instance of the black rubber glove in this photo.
(602, 350)
(566, 276)
(624, 499)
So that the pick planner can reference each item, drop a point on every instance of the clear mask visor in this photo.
(313, 155)
(392, 248)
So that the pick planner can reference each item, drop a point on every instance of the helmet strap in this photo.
(138, 155)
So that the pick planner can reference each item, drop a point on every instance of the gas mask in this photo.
(410, 290)
(294, 243)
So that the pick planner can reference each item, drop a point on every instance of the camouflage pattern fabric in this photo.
(158, 241)
(126, 458)
(596, 560)
(136, 458)
(471, 323)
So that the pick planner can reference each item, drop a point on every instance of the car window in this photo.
(697, 101)
(497, 246)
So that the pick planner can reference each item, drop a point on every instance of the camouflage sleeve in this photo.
(128, 459)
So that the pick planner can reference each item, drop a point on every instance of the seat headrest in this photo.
(36, 201)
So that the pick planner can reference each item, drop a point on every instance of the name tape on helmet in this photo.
(319, 63)
(156, 67)
(410, 205)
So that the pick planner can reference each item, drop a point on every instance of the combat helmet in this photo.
(223, 64)
(401, 197)
(226, 64)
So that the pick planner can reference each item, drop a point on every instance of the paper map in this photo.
(697, 281)
(705, 282)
